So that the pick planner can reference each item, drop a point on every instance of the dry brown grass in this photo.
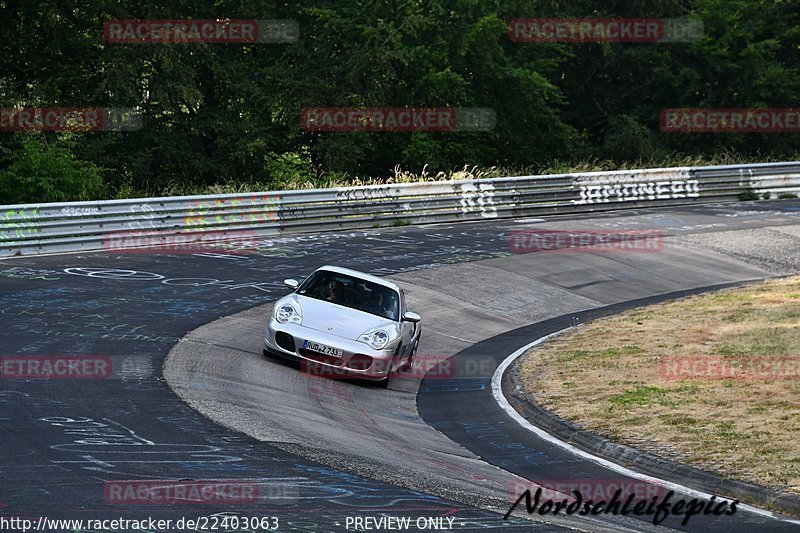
(605, 376)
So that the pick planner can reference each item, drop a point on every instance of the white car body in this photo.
(329, 338)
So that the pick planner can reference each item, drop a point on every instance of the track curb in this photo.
(646, 463)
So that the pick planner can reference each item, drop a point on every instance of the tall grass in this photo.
(400, 175)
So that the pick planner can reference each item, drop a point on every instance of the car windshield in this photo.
(352, 292)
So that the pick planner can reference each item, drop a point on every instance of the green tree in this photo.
(47, 171)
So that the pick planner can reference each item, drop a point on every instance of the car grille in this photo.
(360, 361)
(321, 357)
(284, 340)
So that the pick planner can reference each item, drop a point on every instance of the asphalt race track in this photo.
(65, 440)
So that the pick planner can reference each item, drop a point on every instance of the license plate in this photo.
(321, 348)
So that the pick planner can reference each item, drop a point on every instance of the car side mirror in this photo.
(291, 283)
(408, 316)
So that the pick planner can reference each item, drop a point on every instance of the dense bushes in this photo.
(45, 170)
(227, 117)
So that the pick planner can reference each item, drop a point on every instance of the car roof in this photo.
(361, 275)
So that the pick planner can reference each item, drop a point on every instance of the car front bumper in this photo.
(290, 346)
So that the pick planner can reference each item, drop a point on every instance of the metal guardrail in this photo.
(80, 226)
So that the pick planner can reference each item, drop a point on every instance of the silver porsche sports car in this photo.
(346, 323)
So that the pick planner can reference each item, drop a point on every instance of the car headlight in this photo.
(288, 313)
(377, 339)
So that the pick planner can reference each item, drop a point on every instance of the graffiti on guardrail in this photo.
(141, 217)
(19, 224)
(364, 194)
(258, 208)
(478, 198)
(635, 190)
(418, 203)
(79, 211)
(291, 211)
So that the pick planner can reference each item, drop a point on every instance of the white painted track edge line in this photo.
(497, 392)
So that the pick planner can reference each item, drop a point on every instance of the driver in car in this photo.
(336, 293)
(380, 304)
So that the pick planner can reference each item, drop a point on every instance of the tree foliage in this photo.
(220, 112)
(49, 172)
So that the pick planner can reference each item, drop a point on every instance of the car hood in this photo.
(339, 320)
